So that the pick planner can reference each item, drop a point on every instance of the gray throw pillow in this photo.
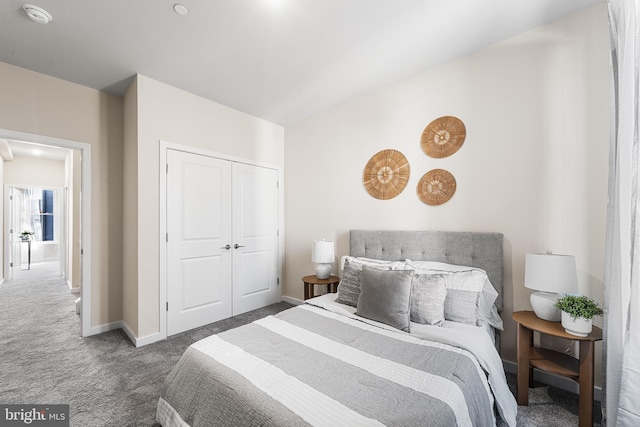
(349, 287)
(385, 296)
(428, 293)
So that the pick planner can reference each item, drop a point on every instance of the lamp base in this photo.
(323, 271)
(542, 303)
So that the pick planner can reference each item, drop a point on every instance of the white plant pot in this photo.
(579, 327)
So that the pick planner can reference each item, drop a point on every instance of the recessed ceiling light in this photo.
(37, 14)
(180, 9)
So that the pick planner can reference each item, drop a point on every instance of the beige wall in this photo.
(38, 104)
(533, 166)
(172, 115)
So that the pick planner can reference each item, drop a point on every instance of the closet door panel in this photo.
(199, 228)
(255, 237)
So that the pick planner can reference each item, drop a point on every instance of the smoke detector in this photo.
(37, 14)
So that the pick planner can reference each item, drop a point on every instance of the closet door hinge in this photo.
(278, 281)
(166, 237)
(167, 168)
(167, 305)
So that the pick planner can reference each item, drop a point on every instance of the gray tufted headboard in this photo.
(474, 249)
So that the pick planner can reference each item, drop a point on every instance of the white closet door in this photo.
(199, 228)
(255, 232)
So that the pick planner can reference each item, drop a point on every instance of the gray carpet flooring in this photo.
(108, 382)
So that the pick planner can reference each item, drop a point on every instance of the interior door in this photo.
(199, 230)
(255, 237)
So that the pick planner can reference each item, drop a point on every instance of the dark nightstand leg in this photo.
(306, 290)
(311, 290)
(525, 337)
(585, 401)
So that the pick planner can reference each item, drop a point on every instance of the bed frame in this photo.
(474, 249)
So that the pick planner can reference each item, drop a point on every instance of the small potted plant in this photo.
(578, 312)
(26, 235)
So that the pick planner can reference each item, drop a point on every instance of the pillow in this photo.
(470, 294)
(463, 296)
(349, 287)
(428, 294)
(385, 296)
(488, 312)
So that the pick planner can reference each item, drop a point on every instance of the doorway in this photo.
(77, 219)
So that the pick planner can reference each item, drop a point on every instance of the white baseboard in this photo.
(290, 300)
(105, 328)
(552, 380)
(139, 342)
(72, 289)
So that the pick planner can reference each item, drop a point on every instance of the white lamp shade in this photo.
(551, 273)
(322, 252)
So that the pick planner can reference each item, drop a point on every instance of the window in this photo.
(38, 213)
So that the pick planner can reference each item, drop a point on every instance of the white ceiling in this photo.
(281, 60)
(9, 149)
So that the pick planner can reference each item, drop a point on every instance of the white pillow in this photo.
(378, 263)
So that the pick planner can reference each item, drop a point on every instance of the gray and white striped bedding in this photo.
(309, 366)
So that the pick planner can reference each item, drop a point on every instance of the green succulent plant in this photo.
(579, 306)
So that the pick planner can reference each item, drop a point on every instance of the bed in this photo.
(409, 339)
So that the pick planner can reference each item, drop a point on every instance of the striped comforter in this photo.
(309, 366)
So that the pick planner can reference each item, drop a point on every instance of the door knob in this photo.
(236, 246)
(227, 247)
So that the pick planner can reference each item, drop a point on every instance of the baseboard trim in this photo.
(72, 289)
(547, 378)
(139, 342)
(290, 300)
(105, 328)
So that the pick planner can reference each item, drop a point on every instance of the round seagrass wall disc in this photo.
(443, 137)
(386, 174)
(436, 187)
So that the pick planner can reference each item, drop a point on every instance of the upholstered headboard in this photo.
(474, 249)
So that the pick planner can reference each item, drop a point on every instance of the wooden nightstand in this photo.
(530, 357)
(311, 281)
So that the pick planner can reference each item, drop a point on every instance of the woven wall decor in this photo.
(436, 187)
(386, 174)
(443, 137)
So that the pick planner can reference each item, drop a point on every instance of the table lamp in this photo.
(550, 275)
(322, 254)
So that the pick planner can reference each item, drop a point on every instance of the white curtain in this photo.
(622, 267)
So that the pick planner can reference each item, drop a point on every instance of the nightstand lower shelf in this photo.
(554, 362)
